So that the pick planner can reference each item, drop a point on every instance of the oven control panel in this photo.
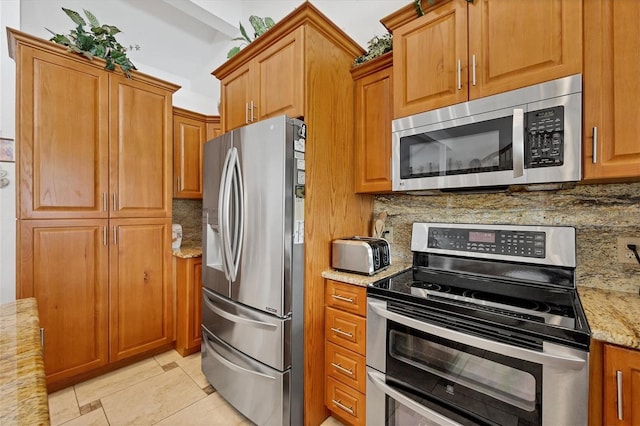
(506, 242)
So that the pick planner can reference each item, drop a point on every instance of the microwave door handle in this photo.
(557, 361)
(223, 213)
(377, 379)
(238, 215)
(518, 142)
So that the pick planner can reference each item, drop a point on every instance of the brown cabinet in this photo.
(621, 386)
(459, 51)
(259, 89)
(611, 90)
(189, 136)
(345, 351)
(302, 68)
(94, 218)
(373, 115)
(188, 279)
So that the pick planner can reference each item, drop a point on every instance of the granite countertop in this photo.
(23, 388)
(188, 251)
(613, 316)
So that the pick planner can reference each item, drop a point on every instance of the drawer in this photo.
(346, 403)
(346, 330)
(348, 297)
(345, 366)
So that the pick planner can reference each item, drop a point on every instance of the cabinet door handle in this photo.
(344, 333)
(104, 236)
(42, 340)
(473, 69)
(341, 368)
(619, 394)
(115, 235)
(252, 108)
(459, 73)
(342, 298)
(104, 201)
(246, 113)
(339, 404)
(178, 188)
(115, 202)
(594, 145)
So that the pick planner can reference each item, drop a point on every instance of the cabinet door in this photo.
(611, 89)
(236, 96)
(374, 99)
(188, 304)
(140, 149)
(274, 94)
(64, 265)
(516, 44)
(62, 134)
(189, 136)
(430, 60)
(626, 362)
(140, 291)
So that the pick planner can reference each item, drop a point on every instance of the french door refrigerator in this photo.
(253, 269)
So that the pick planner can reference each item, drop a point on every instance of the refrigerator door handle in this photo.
(238, 215)
(212, 351)
(235, 318)
(223, 212)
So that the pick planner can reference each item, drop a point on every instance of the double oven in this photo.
(485, 329)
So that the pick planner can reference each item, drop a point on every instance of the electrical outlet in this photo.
(624, 254)
(388, 234)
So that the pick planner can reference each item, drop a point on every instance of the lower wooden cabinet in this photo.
(621, 386)
(188, 282)
(345, 351)
(103, 289)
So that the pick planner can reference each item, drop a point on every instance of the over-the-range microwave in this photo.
(525, 136)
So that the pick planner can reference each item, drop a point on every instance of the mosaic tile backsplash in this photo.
(188, 213)
(600, 214)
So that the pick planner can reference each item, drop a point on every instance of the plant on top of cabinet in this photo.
(377, 46)
(418, 5)
(260, 26)
(99, 41)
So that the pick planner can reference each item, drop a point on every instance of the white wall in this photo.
(9, 16)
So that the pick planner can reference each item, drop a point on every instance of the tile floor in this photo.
(166, 390)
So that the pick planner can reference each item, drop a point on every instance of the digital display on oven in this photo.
(482, 237)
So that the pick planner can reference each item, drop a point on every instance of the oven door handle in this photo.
(553, 360)
(377, 379)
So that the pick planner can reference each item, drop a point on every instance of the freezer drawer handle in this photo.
(341, 368)
(344, 333)
(231, 365)
(237, 319)
(342, 298)
(339, 404)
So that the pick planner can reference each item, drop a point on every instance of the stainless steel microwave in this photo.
(525, 136)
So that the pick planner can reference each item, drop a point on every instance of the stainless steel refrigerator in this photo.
(253, 269)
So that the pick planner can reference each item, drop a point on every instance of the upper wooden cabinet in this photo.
(189, 136)
(611, 89)
(373, 115)
(91, 143)
(621, 385)
(257, 90)
(459, 51)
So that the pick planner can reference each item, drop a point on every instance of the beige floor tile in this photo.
(115, 381)
(63, 406)
(168, 357)
(152, 400)
(93, 418)
(331, 421)
(192, 366)
(210, 411)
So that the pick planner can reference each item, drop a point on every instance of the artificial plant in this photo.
(98, 41)
(377, 46)
(418, 5)
(260, 26)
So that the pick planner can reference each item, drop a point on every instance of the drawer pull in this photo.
(341, 368)
(342, 298)
(344, 333)
(344, 407)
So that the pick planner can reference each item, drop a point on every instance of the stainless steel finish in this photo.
(115, 235)
(341, 368)
(356, 255)
(343, 333)
(594, 145)
(115, 202)
(459, 69)
(565, 92)
(473, 70)
(42, 339)
(619, 395)
(262, 394)
(342, 298)
(246, 113)
(178, 184)
(560, 242)
(518, 142)
(104, 236)
(254, 333)
(340, 405)
(104, 202)
(376, 391)
(252, 109)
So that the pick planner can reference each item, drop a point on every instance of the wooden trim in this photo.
(596, 383)
(181, 112)
(407, 14)
(372, 66)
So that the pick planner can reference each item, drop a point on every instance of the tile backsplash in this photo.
(600, 214)
(188, 213)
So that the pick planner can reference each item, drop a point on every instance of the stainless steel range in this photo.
(486, 328)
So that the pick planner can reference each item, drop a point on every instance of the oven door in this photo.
(439, 375)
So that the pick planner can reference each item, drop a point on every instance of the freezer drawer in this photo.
(261, 336)
(260, 393)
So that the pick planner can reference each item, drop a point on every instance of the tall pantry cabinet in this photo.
(94, 159)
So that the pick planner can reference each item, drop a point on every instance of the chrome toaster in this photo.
(362, 255)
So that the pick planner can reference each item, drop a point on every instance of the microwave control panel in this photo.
(510, 243)
(544, 138)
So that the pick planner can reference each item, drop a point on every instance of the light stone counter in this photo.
(23, 389)
(613, 316)
(364, 280)
(188, 252)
